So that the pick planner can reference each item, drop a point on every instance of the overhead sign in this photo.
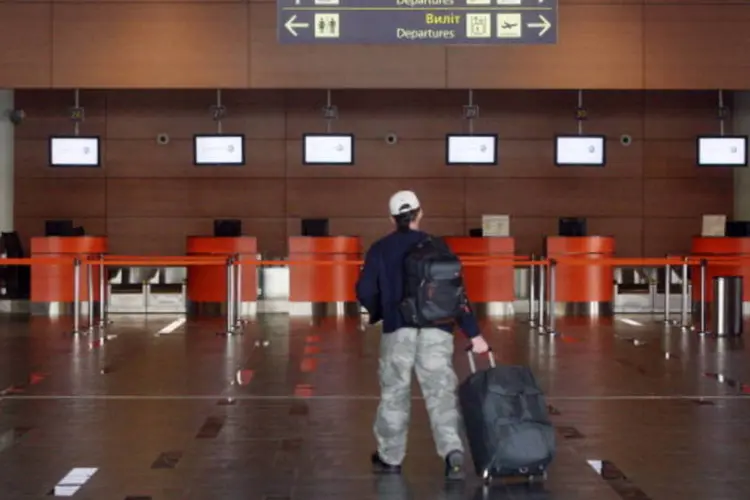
(438, 22)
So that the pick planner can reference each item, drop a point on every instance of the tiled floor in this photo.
(285, 412)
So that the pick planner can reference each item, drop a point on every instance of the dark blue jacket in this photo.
(380, 288)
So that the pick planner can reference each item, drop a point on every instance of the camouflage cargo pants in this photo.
(428, 352)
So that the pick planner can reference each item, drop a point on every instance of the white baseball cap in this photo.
(402, 202)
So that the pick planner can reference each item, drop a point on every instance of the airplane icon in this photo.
(507, 25)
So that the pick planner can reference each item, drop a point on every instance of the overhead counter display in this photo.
(444, 22)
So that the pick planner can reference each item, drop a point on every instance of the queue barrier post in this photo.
(76, 296)
(704, 266)
(668, 295)
(90, 291)
(542, 296)
(684, 319)
(103, 295)
(551, 295)
(532, 292)
(230, 318)
(239, 323)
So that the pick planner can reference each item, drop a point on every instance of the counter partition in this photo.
(583, 290)
(52, 285)
(490, 286)
(207, 285)
(323, 273)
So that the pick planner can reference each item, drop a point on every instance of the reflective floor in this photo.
(285, 412)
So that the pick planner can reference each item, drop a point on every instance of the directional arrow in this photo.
(544, 24)
(291, 25)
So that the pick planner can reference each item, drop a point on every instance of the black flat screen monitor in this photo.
(227, 228)
(572, 226)
(315, 227)
(580, 150)
(737, 228)
(328, 149)
(721, 151)
(219, 150)
(74, 151)
(62, 227)
(471, 149)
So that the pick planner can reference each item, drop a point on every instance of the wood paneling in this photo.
(599, 46)
(604, 44)
(696, 46)
(149, 197)
(25, 44)
(178, 45)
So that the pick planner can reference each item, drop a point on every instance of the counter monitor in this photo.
(328, 149)
(580, 151)
(219, 150)
(726, 151)
(74, 151)
(471, 149)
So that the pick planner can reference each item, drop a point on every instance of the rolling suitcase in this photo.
(507, 424)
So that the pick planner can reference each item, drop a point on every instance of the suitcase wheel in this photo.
(486, 477)
(538, 478)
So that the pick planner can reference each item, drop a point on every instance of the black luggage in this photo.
(507, 424)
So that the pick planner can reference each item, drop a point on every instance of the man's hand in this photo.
(479, 345)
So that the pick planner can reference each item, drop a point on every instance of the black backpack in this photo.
(434, 291)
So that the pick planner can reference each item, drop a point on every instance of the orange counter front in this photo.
(706, 246)
(325, 283)
(54, 283)
(208, 284)
(583, 284)
(486, 283)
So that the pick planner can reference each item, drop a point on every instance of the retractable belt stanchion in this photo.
(229, 329)
(103, 299)
(685, 297)
(551, 294)
(90, 292)
(532, 292)
(77, 296)
(702, 331)
(239, 322)
(667, 294)
(540, 322)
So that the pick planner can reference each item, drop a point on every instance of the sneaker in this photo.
(380, 467)
(454, 466)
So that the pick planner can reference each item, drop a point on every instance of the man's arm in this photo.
(368, 290)
(468, 323)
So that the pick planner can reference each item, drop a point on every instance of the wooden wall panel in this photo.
(148, 197)
(599, 46)
(554, 197)
(369, 197)
(25, 44)
(605, 44)
(137, 45)
(696, 46)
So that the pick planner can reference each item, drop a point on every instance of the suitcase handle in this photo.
(472, 363)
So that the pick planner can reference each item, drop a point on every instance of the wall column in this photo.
(741, 123)
(6, 161)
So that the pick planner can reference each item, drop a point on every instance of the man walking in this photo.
(416, 339)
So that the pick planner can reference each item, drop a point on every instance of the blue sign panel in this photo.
(440, 22)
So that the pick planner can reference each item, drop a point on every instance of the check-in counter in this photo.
(52, 285)
(488, 273)
(581, 289)
(207, 284)
(323, 275)
(720, 248)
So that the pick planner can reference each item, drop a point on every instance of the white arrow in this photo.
(290, 25)
(545, 25)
